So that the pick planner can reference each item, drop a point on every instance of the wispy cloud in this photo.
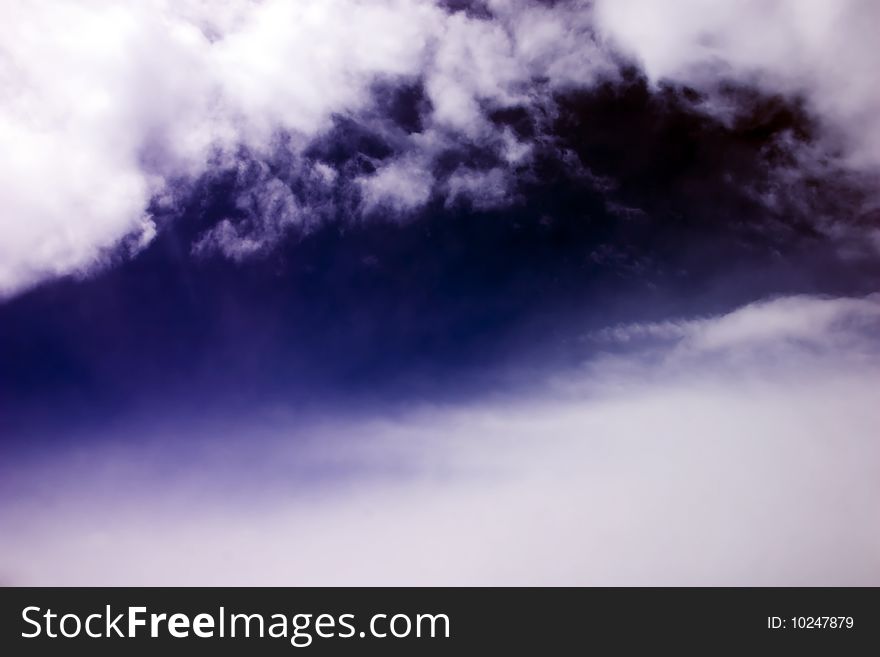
(109, 113)
(105, 105)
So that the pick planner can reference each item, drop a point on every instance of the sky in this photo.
(439, 292)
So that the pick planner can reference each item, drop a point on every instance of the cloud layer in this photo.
(739, 450)
(110, 114)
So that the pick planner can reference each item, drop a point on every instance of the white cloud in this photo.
(824, 51)
(669, 472)
(290, 65)
(805, 319)
(103, 103)
(404, 184)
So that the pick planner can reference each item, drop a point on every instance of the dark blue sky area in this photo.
(451, 301)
